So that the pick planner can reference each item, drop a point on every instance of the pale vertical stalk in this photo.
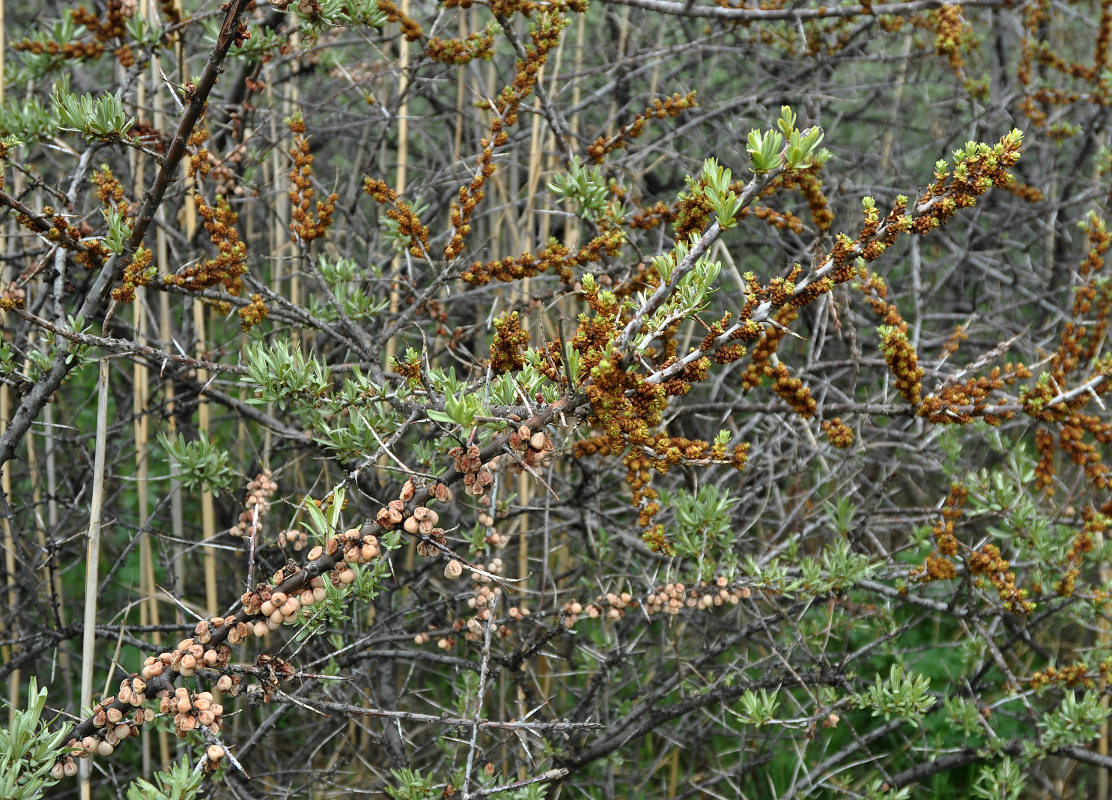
(208, 511)
(1104, 638)
(400, 175)
(3, 55)
(177, 527)
(9, 553)
(140, 391)
(92, 559)
(295, 273)
(461, 94)
(5, 474)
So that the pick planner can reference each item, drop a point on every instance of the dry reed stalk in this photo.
(204, 425)
(9, 555)
(5, 473)
(92, 560)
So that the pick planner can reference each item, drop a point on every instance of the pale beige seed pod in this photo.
(187, 723)
(57, 772)
(260, 628)
(214, 752)
(267, 608)
(104, 749)
(453, 569)
(224, 683)
(69, 767)
(316, 553)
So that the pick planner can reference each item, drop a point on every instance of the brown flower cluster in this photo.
(1083, 335)
(898, 352)
(227, 267)
(988, 563)
(1036, 52)
(253, 313)
(1084, 542)
(411, 29)
(410, 227)
(792, 391)
(305, 226)
(112, 27)
(960, 402)
(951, 34)
(837, 432)
(12, 296)
(1072, 675)
(555, 258)
(659, 109)
(939, 565)
(510, 342)
(809, 184)
(478, 45)
(87, 252)
(545, 36)
(71, 51)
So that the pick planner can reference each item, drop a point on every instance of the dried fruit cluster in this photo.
(257, 503)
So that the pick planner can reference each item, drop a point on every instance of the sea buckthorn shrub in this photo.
(555, 399)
